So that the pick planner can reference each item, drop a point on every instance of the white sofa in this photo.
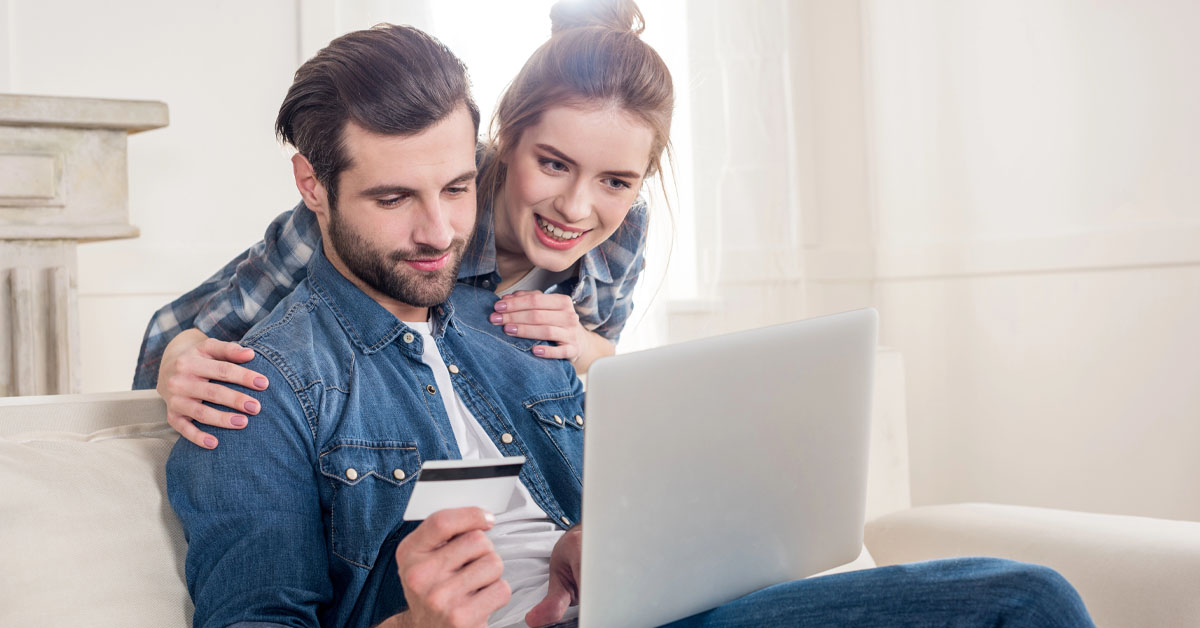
(89, 540)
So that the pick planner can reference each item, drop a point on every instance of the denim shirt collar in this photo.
(483, 263)
(368, 324)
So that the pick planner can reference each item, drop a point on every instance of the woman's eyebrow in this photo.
(622, 174)
(557, 153)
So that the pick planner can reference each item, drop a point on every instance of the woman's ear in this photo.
(311, 190)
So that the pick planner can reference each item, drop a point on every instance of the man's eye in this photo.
(552, 164)
(458, 190)
(390, 201)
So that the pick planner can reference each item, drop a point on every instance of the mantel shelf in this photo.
(82, 113)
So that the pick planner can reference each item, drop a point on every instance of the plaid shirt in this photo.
(242, 293)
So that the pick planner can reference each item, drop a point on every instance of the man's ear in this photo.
(311, 190)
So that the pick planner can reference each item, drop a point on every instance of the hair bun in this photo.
(618, 15)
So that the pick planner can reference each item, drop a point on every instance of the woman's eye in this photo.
(617, 184)
(552, 164)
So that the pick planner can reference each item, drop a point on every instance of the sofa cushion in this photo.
(88, 535)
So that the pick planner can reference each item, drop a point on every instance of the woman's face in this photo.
(571, 179)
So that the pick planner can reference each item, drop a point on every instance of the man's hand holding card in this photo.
(443, 484)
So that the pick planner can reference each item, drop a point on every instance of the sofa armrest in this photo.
(1130, 571)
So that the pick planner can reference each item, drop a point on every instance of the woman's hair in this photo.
(390, 80)
(594, 58)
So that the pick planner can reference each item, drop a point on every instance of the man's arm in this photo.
(251, 514)
(450, 572)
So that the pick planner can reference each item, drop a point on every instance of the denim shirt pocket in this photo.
(372, 481)
(560, 416)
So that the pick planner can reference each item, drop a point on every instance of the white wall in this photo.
(1036, 188)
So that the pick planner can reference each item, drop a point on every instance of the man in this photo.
(379, 361)
(308, 528)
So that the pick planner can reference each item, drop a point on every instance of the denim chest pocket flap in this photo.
(371, 483)
(560, 415)
(564, 411)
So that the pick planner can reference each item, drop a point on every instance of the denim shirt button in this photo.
(352, 474)
(506, 438)
(408, 337)
(558, 419)
(430, 389)
(566, 522)
(579, 419)
(453, 369)
(398, 474)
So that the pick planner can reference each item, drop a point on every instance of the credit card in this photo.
(442, 484)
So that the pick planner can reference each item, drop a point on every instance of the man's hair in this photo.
(391, 80)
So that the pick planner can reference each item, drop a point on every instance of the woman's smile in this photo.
(556, 235)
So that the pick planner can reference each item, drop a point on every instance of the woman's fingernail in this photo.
(539, 351)
(496, 318)
(510, 329)
(260, 382)
(251, 406)
(238, 421)
(210, 442)
(501, 306)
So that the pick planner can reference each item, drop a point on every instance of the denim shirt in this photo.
(295, 520)
(239, 295)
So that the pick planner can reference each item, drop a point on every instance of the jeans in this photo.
(954, 592)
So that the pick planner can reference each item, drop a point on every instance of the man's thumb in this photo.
(552, 607)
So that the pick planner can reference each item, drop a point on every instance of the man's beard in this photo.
(382, 270)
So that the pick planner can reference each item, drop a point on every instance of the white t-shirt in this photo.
(539, 278)
(523, 535)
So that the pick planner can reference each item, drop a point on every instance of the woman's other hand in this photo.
(192, 365)
(552, 318)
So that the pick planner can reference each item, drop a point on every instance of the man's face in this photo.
(404, 212)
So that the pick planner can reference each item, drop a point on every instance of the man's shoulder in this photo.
(298, 337)
(472, 307)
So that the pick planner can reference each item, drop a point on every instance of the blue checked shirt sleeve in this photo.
(239, 295)
(625, 253)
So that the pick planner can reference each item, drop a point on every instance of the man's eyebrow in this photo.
(388, 190)
(464, 177)
(621, 174)
(400, 190)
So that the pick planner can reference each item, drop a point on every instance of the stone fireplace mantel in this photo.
(63, 180)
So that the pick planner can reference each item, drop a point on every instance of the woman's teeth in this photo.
(556, 232)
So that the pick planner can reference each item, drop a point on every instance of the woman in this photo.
(560, 231)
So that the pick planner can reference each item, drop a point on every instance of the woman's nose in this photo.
(574, 204)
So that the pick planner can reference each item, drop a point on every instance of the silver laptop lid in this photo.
(717, 467)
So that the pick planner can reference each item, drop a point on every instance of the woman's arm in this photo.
(230, 302)
(187, 350)
(551, 317)
(192, 363)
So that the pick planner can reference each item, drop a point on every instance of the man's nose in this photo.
(434, 229)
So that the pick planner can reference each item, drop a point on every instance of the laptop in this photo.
(717, 467)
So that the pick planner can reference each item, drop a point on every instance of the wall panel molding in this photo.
(1079, 252)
